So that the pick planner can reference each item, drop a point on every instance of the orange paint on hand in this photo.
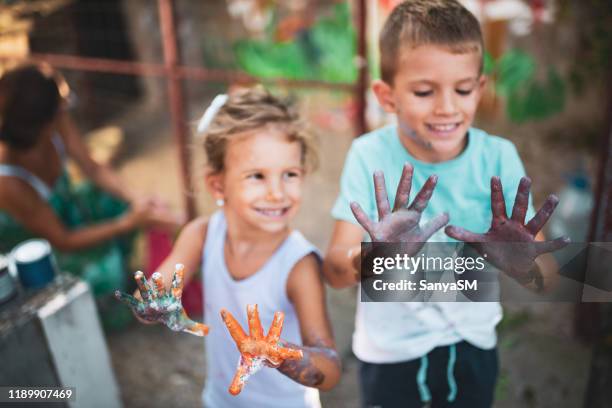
(256, 348)
(239, 379)
(199, 329)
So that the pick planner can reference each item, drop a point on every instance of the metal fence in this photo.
(174, 73)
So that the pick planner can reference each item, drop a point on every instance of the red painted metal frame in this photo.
(176, 98)
(361, 88)
(160, 70)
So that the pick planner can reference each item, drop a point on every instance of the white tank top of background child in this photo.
(268, 289)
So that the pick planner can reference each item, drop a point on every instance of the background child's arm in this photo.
(107, 179)
(102, 175)
(342, 260)
(36, 215)
(320, 366)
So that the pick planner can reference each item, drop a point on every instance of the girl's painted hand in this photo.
(160, 305)
(510, 244)
(257, 350)
(401, 224)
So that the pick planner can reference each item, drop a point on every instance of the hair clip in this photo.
(211, 112)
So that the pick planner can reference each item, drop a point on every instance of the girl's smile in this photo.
(273, 212)
(262, 180)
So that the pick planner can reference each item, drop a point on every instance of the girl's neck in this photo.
(247, 250)
(242, 238)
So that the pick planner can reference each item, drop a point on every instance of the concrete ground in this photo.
(542, 365)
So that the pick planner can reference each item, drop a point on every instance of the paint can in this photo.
(7, 285)
(34, 263)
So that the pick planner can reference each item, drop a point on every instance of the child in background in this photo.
(90, 226)
(442, 353)
(257, 155)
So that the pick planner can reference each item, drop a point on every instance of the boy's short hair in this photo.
(253, 108)
(419, 22)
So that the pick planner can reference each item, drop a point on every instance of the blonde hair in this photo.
(250, 109)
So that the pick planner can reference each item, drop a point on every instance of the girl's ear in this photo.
(214, 184)
(384, 94)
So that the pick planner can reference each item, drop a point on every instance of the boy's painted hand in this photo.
(510, 244)
(257, 350)
(159, 305)
(402, 223)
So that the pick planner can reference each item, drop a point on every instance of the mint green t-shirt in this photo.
(464, 183)
(395, 332)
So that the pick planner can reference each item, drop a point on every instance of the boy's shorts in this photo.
(457, 376)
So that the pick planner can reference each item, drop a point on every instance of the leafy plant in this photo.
(325, 51)
(527, 98)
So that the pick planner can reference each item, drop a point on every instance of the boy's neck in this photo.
(426, 154)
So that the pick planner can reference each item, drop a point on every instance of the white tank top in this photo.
(268, 289)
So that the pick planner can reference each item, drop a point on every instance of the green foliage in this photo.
(514, 69)
(538, 100)
(511, 321)
(266, 59)
(334, 38)
(488, 64)
(326, 51)
(527, 98)
(592, 60)
(502, 386)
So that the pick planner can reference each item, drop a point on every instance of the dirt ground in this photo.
(542, 364)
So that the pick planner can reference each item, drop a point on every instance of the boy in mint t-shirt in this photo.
(443, 353)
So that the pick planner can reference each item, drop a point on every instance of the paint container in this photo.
(34, 263)
(7, 285)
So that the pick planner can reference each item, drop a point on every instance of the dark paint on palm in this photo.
(402, 223)
(510, 244)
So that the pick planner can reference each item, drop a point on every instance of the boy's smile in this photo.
(435, 94)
